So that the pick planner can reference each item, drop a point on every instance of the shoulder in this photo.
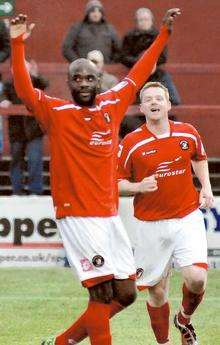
(184, 127)
(52, 101)
(132, 32)
(76, 26)
(134, 137)
(109, 26)
(110, 77)
(154, 32)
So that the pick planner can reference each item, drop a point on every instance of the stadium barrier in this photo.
(29, 236)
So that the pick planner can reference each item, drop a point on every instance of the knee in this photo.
(127, 298)
(158, 295)
(197, 285)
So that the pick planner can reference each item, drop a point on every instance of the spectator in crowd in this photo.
(4, 42)
(93, 32)
(4, 54)
(130, 123)
(137, 40)
(25, 136)
(107, 80)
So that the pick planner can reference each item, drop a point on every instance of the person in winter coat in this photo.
(92, 33)
(137, 40)
(25, 137)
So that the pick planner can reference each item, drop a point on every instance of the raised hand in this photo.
(170, 16)
(18, 27)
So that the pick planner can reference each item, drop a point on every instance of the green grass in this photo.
(39, 302)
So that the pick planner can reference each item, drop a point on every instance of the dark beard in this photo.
(76, 97)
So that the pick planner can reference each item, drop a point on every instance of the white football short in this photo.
(98, 248)
(158, 244)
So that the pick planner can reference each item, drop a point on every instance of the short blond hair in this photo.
(154, 84)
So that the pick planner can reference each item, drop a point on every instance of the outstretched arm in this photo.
(19, 31)
(143, 67)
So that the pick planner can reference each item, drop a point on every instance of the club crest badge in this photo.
(184, 145)
(98, 261)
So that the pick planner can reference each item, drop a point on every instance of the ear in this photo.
(141, 108)
(98, 87)
(169, 105)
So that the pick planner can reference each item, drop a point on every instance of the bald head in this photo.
(83, 65)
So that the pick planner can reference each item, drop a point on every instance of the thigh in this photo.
(86, 241)
(153, 251)
(17, 150)
(121, 251)
(34, 149)
(191, 242)
(102, 292)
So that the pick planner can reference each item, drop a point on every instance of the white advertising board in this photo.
(29, 235)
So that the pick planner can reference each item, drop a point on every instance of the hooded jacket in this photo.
(86, 36)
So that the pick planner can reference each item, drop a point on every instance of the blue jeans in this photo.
(33, 150)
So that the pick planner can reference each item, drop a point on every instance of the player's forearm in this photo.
(201, 170)
(143, 67)
(128, 188)
(22, 80)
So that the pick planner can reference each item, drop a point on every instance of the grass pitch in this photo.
(35, 303)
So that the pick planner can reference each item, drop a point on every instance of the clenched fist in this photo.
(148, 184)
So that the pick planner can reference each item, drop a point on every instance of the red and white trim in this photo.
(135, 147)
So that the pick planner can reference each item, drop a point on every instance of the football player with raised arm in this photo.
(83, 135)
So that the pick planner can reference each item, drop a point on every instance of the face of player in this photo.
(95, 15)
(155, 104)
(84, 85)
(144, 21)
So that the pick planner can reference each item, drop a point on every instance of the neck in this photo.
(158, 127)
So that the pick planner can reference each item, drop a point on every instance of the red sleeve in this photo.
(141, 71)
(34, 99)
(198, 153)
(124, 161)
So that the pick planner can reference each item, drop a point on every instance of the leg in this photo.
(124, 291)
(159, 311)
(195, 279)
(122, 294)
(191, 257)
(35, 165)
(82, 249)
(94, 322)
(153, 251)
(17, 158)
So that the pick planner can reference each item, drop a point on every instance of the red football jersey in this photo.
(168, 156)
(84, 140)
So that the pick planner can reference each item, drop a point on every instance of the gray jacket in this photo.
(86, 36)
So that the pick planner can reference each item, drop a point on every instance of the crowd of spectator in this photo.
(93, 38)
